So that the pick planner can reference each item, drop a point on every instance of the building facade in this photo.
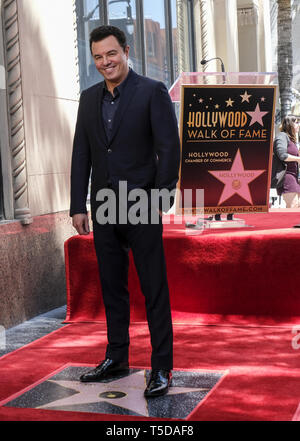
(45, 63)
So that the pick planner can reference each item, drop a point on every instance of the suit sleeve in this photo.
(280, 146)
(80, 165)
(166, 138)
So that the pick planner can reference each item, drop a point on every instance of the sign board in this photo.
(226, 147)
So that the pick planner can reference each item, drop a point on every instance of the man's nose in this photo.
(105, 60)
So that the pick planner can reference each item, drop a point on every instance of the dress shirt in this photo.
(110, 105)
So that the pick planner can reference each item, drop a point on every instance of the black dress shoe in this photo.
(108, 368)
(159, 383)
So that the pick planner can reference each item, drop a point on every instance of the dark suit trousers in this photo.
(112, 244)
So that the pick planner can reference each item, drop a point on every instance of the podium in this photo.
(226, 132)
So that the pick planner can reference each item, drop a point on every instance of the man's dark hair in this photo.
(102, 32)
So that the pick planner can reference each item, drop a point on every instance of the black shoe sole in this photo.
(107, 376)
(156, 394)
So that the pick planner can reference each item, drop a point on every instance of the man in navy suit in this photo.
(126, 132)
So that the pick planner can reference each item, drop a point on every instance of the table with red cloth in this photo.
(239, 271)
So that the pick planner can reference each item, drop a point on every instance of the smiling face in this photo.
(111, 60)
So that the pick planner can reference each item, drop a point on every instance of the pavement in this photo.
(31, 330)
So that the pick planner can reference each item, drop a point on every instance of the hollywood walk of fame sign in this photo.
(226, 146)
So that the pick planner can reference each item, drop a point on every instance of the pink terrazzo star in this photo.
(236, 180)
(257, 116)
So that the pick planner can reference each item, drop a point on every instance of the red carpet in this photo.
(262, 381)
(241, 272)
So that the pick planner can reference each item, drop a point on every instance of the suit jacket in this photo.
(279, 155)
(144, 149)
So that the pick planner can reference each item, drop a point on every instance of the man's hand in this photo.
(81, 223)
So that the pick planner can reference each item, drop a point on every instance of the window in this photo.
(90, 14)
(123, 14)
(174, 39)
(151, 31)
(150, 44)
(156, 30)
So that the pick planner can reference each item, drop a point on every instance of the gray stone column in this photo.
(204, 31)
(208, 44)
(183, 57)
(4, 135)
(15, 111)
(76, 47)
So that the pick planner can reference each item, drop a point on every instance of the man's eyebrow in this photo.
(109, 52)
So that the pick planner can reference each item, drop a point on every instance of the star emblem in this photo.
(126, 392)
(119, 395)
(200, 100)
(229, 102)
(257, 116)
(245, 97)
(236, 180)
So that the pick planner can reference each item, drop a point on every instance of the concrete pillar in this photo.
(264, 37)
(232, 36)
(4, 135)
(18, 165)
(226, 31)
(248, 16)
(183, 41)
(208, 43)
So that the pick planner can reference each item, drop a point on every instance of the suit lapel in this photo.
(126, 97)
(102, 132)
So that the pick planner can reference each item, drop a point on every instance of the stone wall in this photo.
(32, 268)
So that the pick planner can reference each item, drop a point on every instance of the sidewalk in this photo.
(31, 330)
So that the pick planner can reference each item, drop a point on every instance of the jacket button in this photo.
(109, 150)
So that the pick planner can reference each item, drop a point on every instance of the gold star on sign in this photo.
(245, 97)
(217, 106)
(229, 102)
